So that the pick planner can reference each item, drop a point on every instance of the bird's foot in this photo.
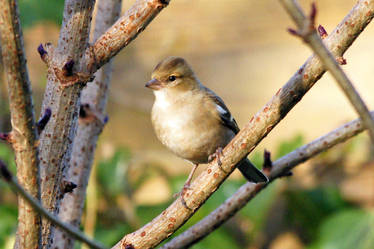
(186, 186)
(181, 193)
(218, 154)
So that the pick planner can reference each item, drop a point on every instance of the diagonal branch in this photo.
(121, 33)
(308, 32)
(72, 231)
(24, 134)
(90, 125)
(259, 126)
(249, 190)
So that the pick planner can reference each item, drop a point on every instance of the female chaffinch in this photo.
(190, 119)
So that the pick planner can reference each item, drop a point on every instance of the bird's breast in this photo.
(189, 129)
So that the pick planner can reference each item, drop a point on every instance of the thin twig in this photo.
(91, 122)
(23, 136)
(249, 190)
(308, 32)
(72, 231)
(259, 126)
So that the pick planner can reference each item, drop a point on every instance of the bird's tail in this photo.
(250, 172)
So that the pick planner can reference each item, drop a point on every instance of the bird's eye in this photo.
(172, 78)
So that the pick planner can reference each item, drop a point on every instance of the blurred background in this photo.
(241, 50)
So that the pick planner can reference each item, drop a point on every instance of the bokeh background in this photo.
(241, 50)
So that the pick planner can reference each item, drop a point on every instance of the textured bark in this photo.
(126, 29)
(258, 127)
(309, 34)
(23, 134)
(89, 128)
(249, 190)
(64, 84)
(57, 138)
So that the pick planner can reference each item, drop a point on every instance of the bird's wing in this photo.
(224, 113)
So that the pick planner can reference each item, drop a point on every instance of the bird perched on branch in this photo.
(190, 119)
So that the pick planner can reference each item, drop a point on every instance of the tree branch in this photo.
(249, 190)
(90, 125)
(24, 134)
(308, 33)
(72, 231)
(259, 126)
(56, 140)
(64, 85)
(120, 34)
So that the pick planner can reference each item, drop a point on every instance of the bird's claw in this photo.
(186, 186)
(217, 154)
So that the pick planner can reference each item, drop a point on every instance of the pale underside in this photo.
(184, 124)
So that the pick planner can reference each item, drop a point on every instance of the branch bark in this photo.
(249, 190)
(308, 32)
(120, 34)
(90, 125)
(56, 140)
(259, 126)
(24, 133)
(68, 70)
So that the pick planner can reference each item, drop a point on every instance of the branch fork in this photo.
(66, 76)
(308, 25)
(330, 62)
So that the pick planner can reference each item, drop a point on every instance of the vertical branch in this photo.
(67, 73)
(90, 125)
(23, 134)
(308, 33)
(62, 96)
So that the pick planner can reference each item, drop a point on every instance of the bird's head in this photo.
(173, 73)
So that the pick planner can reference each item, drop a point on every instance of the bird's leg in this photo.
(187, 185)
(217, 154)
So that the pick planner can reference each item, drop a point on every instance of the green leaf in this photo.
(351, 228)
(256, 211)
(112, 173)
(8, 217)
(286, 147)
(111, 235)
(309, 208)
(34, 11)
(7, 155)
(221, 238)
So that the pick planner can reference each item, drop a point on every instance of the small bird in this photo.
(190, 119)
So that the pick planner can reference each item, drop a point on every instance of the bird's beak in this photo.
(154, 84)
